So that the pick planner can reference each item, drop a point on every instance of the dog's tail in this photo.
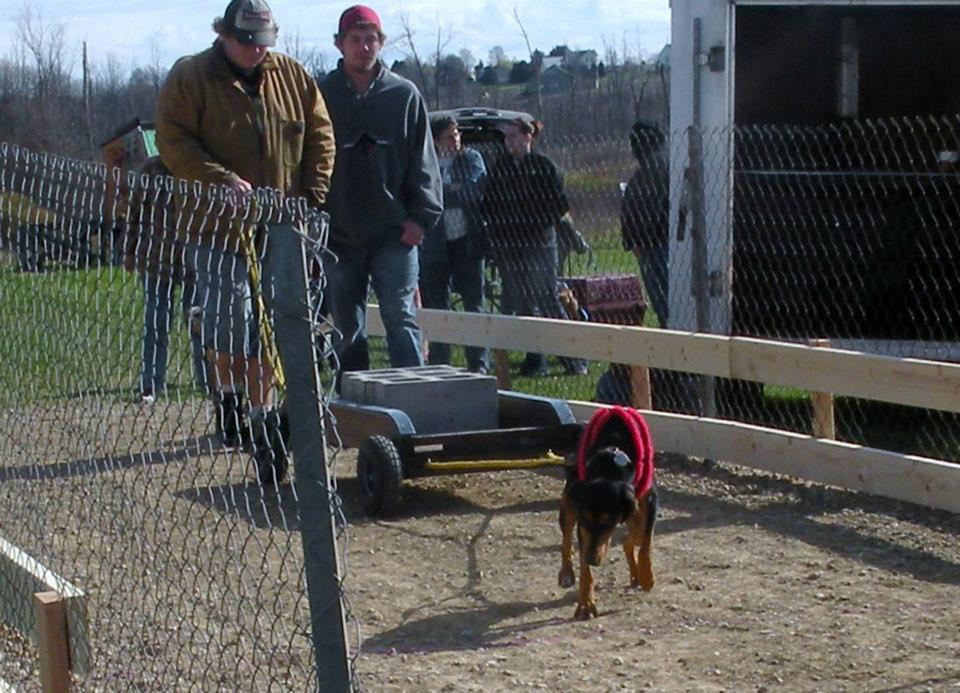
(642, 444)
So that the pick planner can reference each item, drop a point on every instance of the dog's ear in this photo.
(628, 502)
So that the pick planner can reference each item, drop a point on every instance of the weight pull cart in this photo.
(532, 432)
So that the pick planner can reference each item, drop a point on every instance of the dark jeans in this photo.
(158, 297)
(653, 269)
(465, 272)
(391, 268)
(529, 274)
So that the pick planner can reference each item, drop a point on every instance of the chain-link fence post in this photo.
(295, 341)
(700, 280)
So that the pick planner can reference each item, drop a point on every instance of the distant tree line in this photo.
(53, 99)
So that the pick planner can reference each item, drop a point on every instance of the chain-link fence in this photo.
(143, 442)
(145, 432)
(844, 233)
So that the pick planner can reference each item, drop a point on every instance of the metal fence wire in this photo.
(840, 234)
(122, 298)
(115, 473)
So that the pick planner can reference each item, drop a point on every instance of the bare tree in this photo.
(155, 70)
(313, 59)
(44, 42)
(534, 63)
(408, 46)
(444, 38)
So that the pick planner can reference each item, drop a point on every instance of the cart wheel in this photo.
(380, 474)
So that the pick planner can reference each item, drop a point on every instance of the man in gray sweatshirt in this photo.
(385, 193)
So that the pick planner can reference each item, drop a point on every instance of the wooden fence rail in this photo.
(911, 382)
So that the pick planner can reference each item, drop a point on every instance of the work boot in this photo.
(230, 413)
(270, 432)
(534, 366)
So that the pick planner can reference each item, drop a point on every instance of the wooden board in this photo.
(912, 382)
(21, 576)
(670, 349)
(920, 480)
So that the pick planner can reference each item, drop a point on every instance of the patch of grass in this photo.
(786, 394)
(580, 182)
(67, 333)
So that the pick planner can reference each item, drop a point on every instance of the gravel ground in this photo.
(763, 583)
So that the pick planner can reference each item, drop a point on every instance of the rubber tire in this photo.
(380, 476)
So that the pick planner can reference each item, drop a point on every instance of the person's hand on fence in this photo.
(239, 191)
(413, 233)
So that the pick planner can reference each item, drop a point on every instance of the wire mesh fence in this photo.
(138, 452)
(843, 234)
(144, 438)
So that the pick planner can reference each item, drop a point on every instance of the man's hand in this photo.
(413, 233)
(239, 191)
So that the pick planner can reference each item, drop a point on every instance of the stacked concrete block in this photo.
(438, 399)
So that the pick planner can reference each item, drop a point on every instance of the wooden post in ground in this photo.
(824, 423)
(640, 393)
(51, 615)
(501, 368)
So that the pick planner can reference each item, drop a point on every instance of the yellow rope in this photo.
(495, 465)
(269, 345)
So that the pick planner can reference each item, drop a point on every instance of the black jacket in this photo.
(523, 199)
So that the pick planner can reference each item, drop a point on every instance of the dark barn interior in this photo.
(845, 221)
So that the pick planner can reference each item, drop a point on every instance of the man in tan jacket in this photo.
(240, 116)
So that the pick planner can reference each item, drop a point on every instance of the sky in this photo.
(142, 31)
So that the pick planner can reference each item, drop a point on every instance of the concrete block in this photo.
(438, 399)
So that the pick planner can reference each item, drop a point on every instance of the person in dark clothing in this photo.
(385, 194)
(151, 249)
(644, 213)
(454, 251)
(524, 202)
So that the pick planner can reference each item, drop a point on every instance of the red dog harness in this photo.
(642, 443)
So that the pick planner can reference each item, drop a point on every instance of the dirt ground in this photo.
(763, 583)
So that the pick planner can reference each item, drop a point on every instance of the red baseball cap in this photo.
(358, 14)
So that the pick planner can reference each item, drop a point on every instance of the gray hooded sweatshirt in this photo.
(386, 168)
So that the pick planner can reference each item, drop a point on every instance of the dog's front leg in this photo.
(586, 600)
(568, 522)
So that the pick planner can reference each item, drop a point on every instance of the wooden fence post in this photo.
(824, 423)
(51, 615)
(640, 393)
(501, 368)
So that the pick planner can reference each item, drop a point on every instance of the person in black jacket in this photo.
(524, 202)
(644, 213)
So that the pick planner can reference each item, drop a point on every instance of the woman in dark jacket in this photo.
(454, 251)
(523, 203)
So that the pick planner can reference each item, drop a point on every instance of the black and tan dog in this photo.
(612, 483)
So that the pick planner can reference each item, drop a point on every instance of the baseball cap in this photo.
(358, 14)
(251, 22)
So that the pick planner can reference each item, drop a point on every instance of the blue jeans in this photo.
(391, 268)
(157, 320)
(157, 315)
(466, 273)
(653, 269)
